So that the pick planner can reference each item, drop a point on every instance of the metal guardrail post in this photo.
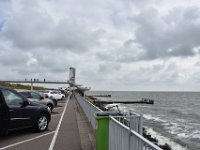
(130, 134)
(141, 125)
(140, 128)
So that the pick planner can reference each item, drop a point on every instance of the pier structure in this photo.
(32, 82)
(70, 81)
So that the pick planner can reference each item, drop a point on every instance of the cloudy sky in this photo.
(151, 45)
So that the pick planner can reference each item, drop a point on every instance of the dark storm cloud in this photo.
(130, 51)
(28, 31)
(107, 55)
(106, 67)
(52, 64)
(9, 58)
(157, 36)
(174, 34)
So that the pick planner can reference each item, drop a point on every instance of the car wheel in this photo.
(50, 106)
(42, 123)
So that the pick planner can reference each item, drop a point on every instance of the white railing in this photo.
(89, 109)
(122, 137)
(133, 121)
(124, 133)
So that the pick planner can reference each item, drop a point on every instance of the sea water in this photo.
(174, 118)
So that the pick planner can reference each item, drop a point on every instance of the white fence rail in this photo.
(89, 109)
(122, 137)
(133, 121)
(124, 134)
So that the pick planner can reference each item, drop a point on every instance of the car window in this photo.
(12, 98)
(35, 95)
(26, 94)
(42, 94)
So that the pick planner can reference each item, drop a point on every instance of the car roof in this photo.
(5, 87)
(20, 90)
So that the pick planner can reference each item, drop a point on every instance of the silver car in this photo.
(38, 98)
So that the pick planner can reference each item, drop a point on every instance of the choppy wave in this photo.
(175, 115)
(162, 140)
(179, 128)
(150, 117)
(182, 130)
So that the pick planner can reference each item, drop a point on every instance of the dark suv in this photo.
(16, 112)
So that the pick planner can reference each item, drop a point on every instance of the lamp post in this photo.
(31, 84)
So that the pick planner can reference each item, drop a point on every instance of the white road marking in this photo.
(59, 107)
(58, 127)
(24, 141)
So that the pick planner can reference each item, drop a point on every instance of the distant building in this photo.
(72, 73)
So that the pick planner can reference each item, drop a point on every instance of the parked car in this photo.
(54, 95)
(17, 112)
(60, 93)
(43, 95)
(38, 98)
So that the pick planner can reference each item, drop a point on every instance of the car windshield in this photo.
(54, 92)
(57, 92)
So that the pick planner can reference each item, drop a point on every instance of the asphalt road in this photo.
(63, 119)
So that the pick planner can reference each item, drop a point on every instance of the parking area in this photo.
(29, 139)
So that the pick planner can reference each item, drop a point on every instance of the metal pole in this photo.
(141, 125)
(31, 84)
(141, 131)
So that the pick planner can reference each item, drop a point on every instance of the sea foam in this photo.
(162, 140)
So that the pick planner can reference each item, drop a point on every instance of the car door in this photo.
(4, 114)
(55, 95)
(19, 116)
